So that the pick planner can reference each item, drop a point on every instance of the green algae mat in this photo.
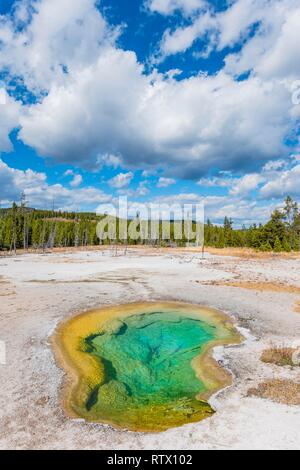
(143, 367)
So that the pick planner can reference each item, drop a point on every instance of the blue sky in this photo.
(161, 100)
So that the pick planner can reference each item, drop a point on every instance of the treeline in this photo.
(280, 233)
(24, 228)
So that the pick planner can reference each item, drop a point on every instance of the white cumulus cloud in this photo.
(9, 119)
(40, 194)
(96, 104)
(45, 39)
(167, 7)
(165, 182)
(283, 183)
(243, 186)
(76, 181)
(121, 180)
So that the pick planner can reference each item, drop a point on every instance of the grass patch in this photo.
(278, 356)
(278, 390)
(258, 286)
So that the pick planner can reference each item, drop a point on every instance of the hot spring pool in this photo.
(143, 367)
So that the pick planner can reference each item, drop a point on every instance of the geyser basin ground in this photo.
(143, 367)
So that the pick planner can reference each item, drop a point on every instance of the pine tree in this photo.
(277, 245)
(266, 246)
(286, 246)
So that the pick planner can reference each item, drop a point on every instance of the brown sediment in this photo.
(258, 286)
(211, 374)
(246, 253)
(96, 279)
(297, 307)
(280, 356)
(84, 372)
(5, 287)
(250, 253)
(278, 390)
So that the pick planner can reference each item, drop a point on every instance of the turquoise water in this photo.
(149, 377)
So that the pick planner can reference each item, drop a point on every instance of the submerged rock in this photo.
(149, 378)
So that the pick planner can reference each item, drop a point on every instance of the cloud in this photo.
(76, 181)
(243, 186)
(242, 212)
(45, 40)
(9, 119)
(217, 207)
(69, 173)
(295, 158)
(97, 111)
(40, 194)
(141, 191)
(13, 182)
(148, 173)
(96, 105)
(239, 205)
(182, 38)
(283, 183)
(190, 125)
(121, 180)
(216, 181)
(268, 31)
(273, 50)
(110, 160)
(165, 182)
(277, 179)
(167, 7)
(274, 165)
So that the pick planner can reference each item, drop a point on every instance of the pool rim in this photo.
(205, 366)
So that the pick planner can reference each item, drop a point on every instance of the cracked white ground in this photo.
(39, 291)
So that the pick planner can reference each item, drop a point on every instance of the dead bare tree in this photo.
(43, 236)
(76, 236)
(23, 210)
(13, 245)
(51, 239)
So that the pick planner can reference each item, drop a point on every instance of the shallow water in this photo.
(147, 381)
(147, 360)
